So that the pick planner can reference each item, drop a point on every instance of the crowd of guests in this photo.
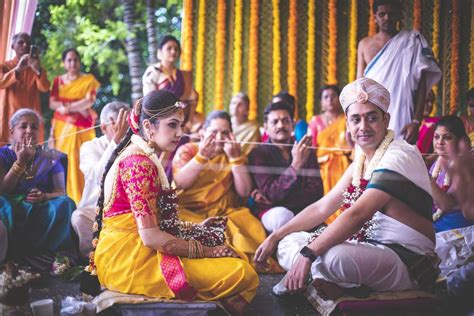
(167, 194)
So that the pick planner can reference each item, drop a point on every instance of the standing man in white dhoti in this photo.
(384, 238)
(402, 62)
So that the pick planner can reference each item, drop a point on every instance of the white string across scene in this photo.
(334, 149)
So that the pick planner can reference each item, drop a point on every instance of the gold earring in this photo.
(150, 142)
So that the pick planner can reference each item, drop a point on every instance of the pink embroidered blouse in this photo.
(136, 190)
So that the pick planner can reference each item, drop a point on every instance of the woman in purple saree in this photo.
(165, 75)
(35, 209)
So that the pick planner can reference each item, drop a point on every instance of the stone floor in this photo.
(265, 303)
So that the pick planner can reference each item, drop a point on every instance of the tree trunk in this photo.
(151, 31)
(133, 49)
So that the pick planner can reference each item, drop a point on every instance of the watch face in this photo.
(306, 252)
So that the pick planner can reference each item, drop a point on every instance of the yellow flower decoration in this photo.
(310, 59)
(417, 18)
(220, 52)
(332, 43)
(352, 42)
(435, 47)
(237, 62)
(455, 31)
(187, 37)
(201, 44)
(253, 59)
(292, 53)
(276, 47)
(372, 26)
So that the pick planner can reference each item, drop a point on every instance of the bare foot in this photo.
(331, 291)
(236, 305)
(328, 290)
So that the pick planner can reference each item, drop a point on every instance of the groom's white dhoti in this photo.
(373, 264)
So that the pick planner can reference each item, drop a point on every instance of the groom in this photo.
(384, 238)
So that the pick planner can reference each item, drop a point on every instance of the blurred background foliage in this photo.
(97, 30)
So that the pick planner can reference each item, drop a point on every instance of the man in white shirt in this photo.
(94, 155)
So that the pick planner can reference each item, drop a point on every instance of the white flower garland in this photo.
(356, 188)
(360, 160)
(150, 152)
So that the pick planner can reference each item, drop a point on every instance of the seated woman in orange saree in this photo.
(140, 246)
(71, 98)
(213, 180)
(213, 194)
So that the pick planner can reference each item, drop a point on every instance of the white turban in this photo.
(365, 90)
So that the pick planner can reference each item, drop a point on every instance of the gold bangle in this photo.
(17, 166)
(190, 249)
(200, 159)
(16, 172)
(200, 250)
(237, 161)
(195, 249)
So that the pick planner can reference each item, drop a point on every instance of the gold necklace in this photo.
(29, 171)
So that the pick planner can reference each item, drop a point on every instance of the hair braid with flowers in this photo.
(153, 106)
(89, 281)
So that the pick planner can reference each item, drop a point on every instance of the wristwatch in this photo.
(308, 253)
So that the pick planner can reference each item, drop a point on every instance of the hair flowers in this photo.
(134, 116)
(180, 105)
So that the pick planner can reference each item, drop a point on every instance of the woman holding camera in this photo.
(22, 79)
(72, 97)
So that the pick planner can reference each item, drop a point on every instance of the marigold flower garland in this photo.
(201, 44)
(455, 31)
(372, 26)
(237, 61)
(187, 38)
(471, 50)
(417, 17)
(352, 41)
(310, 60)
(276, 46)
(292, 53)
(332, 43)
(253, 59)
(435, 36)
(220, 51)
